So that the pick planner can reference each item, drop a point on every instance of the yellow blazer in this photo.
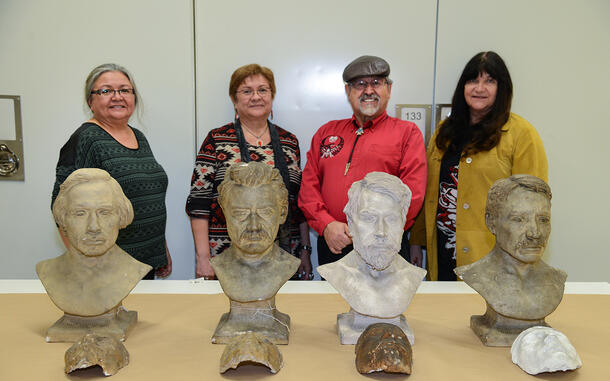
(520, 151)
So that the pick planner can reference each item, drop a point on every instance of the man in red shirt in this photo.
(344, 151)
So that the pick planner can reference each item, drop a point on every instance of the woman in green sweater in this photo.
(107, 141)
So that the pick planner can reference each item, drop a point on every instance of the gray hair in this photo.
(379, 182)
(87, 175)
(104, 68)
(499, 191)
(253, 174)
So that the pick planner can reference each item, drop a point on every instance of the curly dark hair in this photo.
(456, 130)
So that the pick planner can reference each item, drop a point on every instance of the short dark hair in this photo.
(488, 131)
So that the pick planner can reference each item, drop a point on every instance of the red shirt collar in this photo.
(369, 124)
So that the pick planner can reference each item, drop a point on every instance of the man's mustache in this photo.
(530, 243)
(383, 244)
(369, 97)
(254, 235)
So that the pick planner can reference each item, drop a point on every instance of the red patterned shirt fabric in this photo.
(219, 150)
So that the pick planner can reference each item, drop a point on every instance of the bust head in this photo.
(254, 201)
(90, 209)
(518, 213)
(376, 213)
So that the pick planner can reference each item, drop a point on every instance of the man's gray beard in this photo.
(375, 260)
(368, 111)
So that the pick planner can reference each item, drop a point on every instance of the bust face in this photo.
(523, 225)
(377, 228)
(92, 219)
(253, 218)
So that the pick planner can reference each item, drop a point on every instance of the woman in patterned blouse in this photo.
(251, 137)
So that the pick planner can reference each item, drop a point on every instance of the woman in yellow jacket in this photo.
(480, 142)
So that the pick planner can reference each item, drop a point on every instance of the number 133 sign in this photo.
(418, 114)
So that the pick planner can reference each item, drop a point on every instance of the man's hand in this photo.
(337, 236)
(417, 255)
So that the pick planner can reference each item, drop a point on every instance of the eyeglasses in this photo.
(262, 92)
(361, 84)
(111, 92)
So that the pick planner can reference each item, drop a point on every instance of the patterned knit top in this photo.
(219, 150)
(142, 178)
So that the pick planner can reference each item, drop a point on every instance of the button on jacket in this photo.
(520, 151)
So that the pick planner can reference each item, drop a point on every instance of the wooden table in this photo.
(177, 319)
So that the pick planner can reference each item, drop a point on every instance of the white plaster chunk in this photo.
(543, 349)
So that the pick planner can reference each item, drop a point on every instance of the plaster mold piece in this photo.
(92, 350)
(519, 288)
(254, 201)
(251, 348)
(90, 280)
(376, 282)
(385, 348)
(543, 349)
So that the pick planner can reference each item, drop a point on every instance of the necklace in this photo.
(259, 141)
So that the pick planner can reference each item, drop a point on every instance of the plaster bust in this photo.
(94, 275)
(254, 201)
(544, 349)
(512, 278)
(373, 278)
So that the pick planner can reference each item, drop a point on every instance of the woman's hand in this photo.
(203, 269)
(305, 270)
(417, 255)
(165, 271)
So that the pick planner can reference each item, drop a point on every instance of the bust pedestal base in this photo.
(258, 316)
(350, 326)
(70, 328)
(495, 330)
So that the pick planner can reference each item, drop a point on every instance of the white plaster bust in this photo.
(254, 201)
(373, 278)
(94, 275)
(512, 278)
(543, 349)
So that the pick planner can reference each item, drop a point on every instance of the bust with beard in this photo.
(520, 290)
(374, 279)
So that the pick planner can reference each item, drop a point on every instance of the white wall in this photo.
(307, 45)
(47, 49)
(557, 52)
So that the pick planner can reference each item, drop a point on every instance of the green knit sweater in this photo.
(142, 178)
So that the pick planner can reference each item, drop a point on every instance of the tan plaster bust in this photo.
(94, 275)
(512, 278)
(254, 201)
